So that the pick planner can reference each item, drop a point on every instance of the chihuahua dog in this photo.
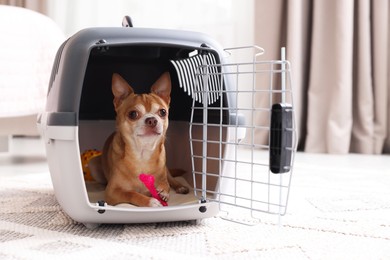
(137, 146)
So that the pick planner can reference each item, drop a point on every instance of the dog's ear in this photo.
(162, 87)
(120, 88)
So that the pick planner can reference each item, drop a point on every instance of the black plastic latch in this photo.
(281, 137)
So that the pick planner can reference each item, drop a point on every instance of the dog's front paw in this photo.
(154, 203)
(182, 190)
(164, 195)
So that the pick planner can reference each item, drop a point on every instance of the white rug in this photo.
(331, 215)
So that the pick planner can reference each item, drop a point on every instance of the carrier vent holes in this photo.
(56, 65)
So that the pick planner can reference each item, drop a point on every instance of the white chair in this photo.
(28, 44)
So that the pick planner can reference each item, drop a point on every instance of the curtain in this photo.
(36, 5)
(339, 51)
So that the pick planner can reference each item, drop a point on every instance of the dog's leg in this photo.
(96, 168)
(162, 187)
(131, 197)
(177, 186)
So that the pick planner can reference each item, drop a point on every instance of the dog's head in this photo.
(142, 118)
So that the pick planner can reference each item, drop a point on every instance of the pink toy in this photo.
(148, 181)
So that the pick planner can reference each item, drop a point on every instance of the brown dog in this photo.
(137, 146)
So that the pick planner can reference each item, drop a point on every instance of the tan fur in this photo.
(137, 146)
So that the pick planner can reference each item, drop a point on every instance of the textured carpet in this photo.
(334, 213)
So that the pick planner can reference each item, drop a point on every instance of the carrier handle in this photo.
(126, 21)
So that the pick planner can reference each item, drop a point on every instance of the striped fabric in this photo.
(200, 77)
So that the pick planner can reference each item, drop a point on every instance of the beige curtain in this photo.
(36, 5)
(339, 50)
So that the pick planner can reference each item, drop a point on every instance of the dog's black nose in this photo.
(151, 121)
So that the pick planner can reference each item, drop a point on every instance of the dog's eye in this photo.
(162, 112)
(133, 115)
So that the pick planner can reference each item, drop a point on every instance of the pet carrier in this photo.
(232, 155)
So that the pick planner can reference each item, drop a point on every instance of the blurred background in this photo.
(339, 51)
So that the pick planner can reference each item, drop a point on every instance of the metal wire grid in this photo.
(231, 160)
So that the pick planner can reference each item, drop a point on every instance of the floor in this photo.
(336, 201)
(25, 156)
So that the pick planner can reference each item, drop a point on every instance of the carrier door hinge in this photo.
(101, 203)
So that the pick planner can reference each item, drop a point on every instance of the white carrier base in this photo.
(67, 178)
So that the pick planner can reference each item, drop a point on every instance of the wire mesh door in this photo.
(243, 141)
